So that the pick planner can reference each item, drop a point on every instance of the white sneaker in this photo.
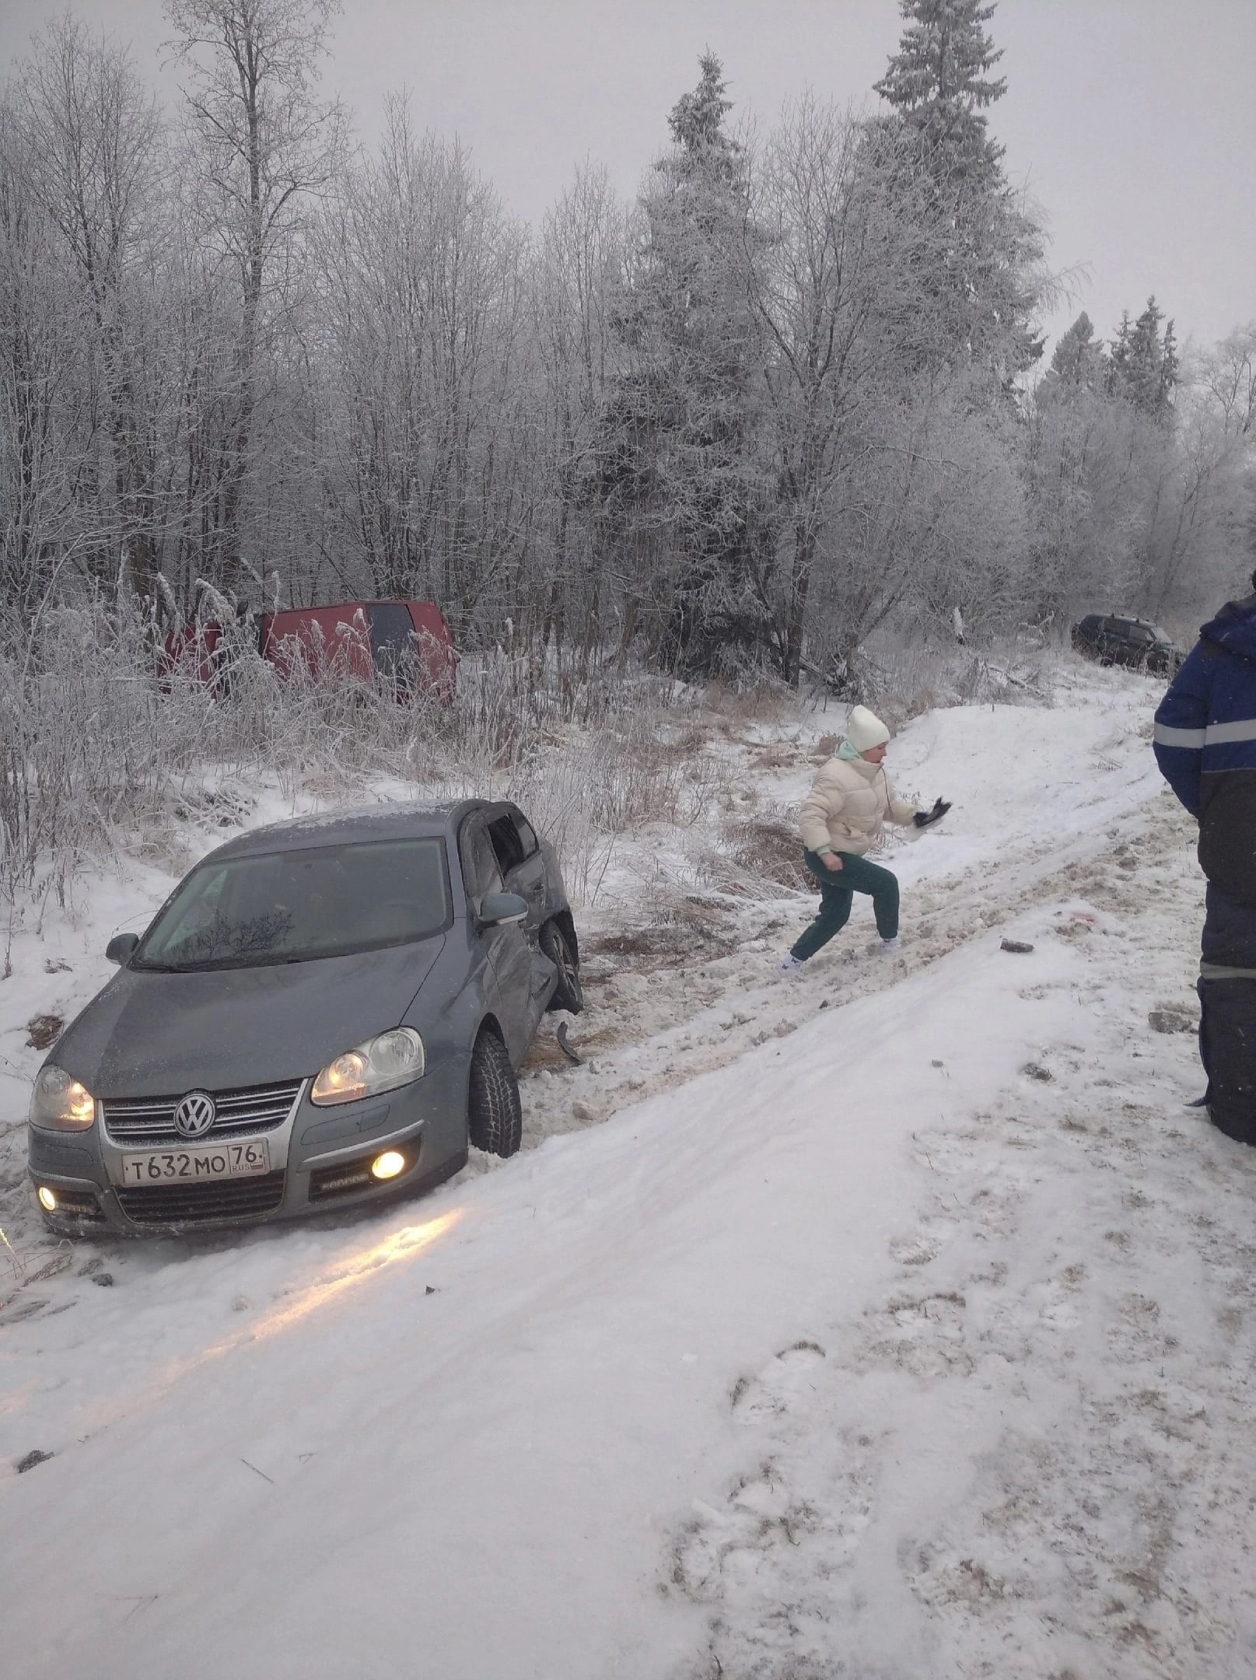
(889, 945)
(789, 964)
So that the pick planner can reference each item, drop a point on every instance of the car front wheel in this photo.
(568, 993)
(494, 1115)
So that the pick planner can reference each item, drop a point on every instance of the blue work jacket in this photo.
(1205, 744)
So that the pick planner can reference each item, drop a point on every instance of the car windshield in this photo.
(293, 906)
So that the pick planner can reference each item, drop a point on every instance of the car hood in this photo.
(151, 1034)
(1234, 628)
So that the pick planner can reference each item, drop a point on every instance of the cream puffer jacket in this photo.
(849, 802)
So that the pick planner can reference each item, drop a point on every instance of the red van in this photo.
(407, 642)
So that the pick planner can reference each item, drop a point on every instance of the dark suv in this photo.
(1127, 641)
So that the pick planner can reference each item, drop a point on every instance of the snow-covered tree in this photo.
(986, 269)
(264, 144)
(1078, 358)
(1143, 365)
(937, 82)
(90, 142)
(678, 479)
(578, 261)
(423, 308)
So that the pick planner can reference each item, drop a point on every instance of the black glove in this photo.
(923, 819)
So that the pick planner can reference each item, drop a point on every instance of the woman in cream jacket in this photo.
(850, 801)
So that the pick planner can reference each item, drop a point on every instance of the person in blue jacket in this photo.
(1205, 744)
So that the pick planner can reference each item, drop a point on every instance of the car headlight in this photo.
(60, 1103)
(381, 1064)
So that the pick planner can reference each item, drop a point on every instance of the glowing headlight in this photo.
(60, 1103)
(381, 1064)
(389, 1164)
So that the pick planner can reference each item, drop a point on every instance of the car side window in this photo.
(506, 843)
(480, 869)
(526, 832)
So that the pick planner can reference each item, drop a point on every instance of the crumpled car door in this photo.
(526, 872)
(508, 947)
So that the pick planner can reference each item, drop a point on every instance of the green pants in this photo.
(837, 893)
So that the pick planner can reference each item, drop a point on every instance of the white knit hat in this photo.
(864, 729)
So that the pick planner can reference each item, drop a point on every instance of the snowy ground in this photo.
(897, 1324)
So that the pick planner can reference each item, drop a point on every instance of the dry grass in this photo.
(766, 848)
(764, 702)
(779, 755)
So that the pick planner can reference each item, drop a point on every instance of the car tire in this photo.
(568, 994)
(494, 1114)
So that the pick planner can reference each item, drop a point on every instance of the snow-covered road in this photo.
(913, 1341)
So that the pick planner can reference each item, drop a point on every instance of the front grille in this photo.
(187, 1204)
(148, 1122)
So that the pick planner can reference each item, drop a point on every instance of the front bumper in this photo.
(319, 1159)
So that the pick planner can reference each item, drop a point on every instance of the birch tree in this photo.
(92, 148)
(578, 262)
(37, 521)
(425, 304)
(266, 144)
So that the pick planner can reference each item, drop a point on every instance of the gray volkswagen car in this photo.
(325, 1012)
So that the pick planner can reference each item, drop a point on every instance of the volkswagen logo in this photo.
(195, 1114)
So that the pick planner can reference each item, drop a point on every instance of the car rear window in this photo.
(294, 906)
(392, 634)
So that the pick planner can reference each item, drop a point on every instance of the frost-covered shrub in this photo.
(103, 742)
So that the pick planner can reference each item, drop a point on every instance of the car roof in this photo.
(402, 821)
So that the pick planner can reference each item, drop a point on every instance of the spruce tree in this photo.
(678, 481)
(937, 83)
(986, 248)
(1143, 367)
(1078, 356)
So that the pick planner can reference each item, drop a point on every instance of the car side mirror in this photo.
(502, 909)
(119, 948)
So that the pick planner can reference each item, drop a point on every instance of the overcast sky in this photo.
(1133, 122)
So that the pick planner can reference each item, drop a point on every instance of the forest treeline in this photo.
(789, 397)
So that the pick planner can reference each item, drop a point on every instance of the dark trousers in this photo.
(1227, 1048)
(837, 893)
(1227, 1016)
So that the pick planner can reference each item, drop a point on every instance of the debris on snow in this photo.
(43, 1031)
(1172, 1020)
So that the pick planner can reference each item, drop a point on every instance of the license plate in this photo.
(196, 1166)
